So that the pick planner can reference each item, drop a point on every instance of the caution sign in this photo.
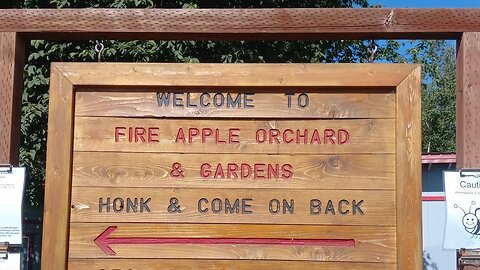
(244, 166)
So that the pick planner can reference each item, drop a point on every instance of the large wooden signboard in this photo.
(233, 166)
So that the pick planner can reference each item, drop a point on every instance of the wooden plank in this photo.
(91, 205)
(234, 76)
(111, 169)
(372, 244)
(367, 104)
(409, 172)
(155, 264)
(58, 174)
(468, 94)
(468, 98)
(364, 136)
(12, 49)
(240, 24)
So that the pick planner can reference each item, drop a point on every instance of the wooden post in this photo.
(11, 83)
(468, 103)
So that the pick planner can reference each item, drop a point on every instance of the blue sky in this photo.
(428, 3)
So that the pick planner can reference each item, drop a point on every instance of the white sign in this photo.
(463, 210)
(11, 191)
(12, 262)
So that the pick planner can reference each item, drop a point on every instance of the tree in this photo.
(438, 94)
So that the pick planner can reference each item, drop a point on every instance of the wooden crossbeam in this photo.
(238, 24)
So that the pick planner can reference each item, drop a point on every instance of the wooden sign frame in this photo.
(67, 77)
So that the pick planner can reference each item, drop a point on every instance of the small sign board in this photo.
(244, 166)
(462, 193)
(11, 194)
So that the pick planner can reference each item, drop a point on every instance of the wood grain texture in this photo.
(237, 24)
(365, 136)
(378, 206)
(409, 172)
(372, 244)
(12, 49)
(309, 171)
(371, 104)
(169, 264)
(56, 213)
(234, 76)
(468, 101)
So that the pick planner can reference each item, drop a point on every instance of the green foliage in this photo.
(438, 94)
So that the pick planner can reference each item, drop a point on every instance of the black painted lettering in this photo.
(341, 203)
(202, 209)
(356, 207)
(189, 104)
(246, 206)
(218, 100)
(203, 97)
(329, 208)
(177, 100)
(289, 99)
(274, 206)
(248, 100)
(315, 207)
(231, 103)
(118, 205)
(303, 100)
(144, 205)
(163, 98)
(290, 207)
(232, 209)
(101, 205)
(132, 206)
(216, 205)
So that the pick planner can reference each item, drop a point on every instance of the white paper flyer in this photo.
(462, 192)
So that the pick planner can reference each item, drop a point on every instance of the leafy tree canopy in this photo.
(438, 93)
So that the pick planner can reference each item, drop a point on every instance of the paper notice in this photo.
(11, 262)
(11, 191)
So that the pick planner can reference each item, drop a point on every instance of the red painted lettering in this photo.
(343, 136)
(153, 135)
(192, 132)
(302, 136)
(119, 131)
(261, 136)
(232, 169)
(274, 135)
(272, 172)
(217, 137)
(139, 134)
(315, 137)
(219, 172)
(180, 136)
(329, 134)
(285, 139)
(205, 170)
(245, 170)
(258, 170)
(287, 171)
(130, 134)
(206, 132)
(233, 135)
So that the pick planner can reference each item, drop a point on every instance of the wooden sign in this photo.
(233, 166)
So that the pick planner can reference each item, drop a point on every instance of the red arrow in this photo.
(104, 242)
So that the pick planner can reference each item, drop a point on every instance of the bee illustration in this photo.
(470, 220)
